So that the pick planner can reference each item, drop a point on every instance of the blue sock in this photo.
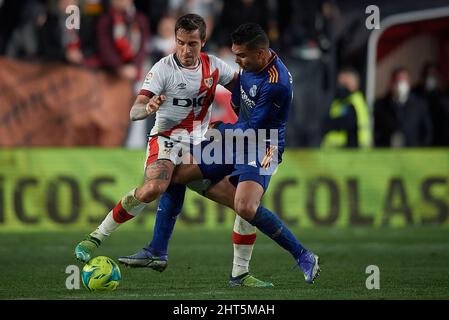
(169, 207)
(269, 223)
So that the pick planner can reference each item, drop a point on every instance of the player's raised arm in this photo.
(145, 106)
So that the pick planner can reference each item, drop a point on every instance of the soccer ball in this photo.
(101, 274)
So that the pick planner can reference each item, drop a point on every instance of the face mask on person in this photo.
(403, 90)
(431, 83)
(342, 92)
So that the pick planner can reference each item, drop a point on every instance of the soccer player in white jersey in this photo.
(179, 89)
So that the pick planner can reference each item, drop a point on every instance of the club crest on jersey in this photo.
(148, 77)
(253, 91)
(208, 82)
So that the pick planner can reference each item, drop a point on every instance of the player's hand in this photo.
(266, 161)
(155, 103)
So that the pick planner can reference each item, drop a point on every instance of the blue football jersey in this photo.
(265, 99)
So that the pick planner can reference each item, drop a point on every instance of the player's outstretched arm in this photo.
(145, 106)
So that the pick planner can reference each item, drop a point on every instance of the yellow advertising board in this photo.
(57, 189)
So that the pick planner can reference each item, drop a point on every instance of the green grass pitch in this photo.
(413, 264)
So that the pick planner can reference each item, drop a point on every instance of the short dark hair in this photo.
(252, 35)
(191, 22)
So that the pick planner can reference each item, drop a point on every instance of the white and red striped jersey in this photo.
(189, 92)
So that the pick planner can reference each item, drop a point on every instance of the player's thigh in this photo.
(247, 198)
(190, 170)
(222, 192)
(157, 179)
(161, 148)
(187, 171)
(160, 171)
(161, 159)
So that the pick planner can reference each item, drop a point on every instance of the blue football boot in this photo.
(309, 264)
(145, 259)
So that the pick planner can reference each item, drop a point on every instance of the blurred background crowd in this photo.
(324, 43)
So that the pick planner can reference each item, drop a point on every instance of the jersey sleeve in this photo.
(273, 97)
(154, 82)
(225, 72)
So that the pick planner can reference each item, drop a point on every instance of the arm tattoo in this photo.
(138, 112)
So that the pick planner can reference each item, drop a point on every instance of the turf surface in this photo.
(413, 264)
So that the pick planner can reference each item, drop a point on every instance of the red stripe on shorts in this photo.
(153, 151)
(243, 238)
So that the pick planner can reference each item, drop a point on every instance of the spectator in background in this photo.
(302, 25)
(442, 122)
(56, 41)
(431, 89)
(237, 12)
(41, 32)
(401, 118)
(23, 42)
(154, 10)
(12, 14)
(430, 82)
(91, 10)
(122, 34)
(163, 43)
(205, 8)
(348, 122)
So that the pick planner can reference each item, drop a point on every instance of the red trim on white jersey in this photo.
(147, 93)
(208, 85)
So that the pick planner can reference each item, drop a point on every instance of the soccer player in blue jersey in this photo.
(263, 96)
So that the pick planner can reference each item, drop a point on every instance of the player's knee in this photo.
(245, 209)
(149, 192)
